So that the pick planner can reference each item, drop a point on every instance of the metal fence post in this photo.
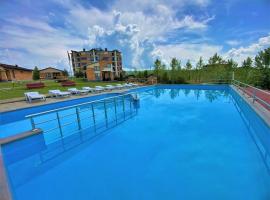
(124, 110)
(59, 124)
(106, 116)
(130, 104)
(78, 118)
(115, 111)
(33, 123)
(93, 114)
(254, 95)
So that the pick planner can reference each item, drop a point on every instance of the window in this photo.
(13, 73)
(105, 58)
(97, 76)
(96, 68)
(97, 58)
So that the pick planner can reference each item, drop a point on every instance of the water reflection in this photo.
(209, 95)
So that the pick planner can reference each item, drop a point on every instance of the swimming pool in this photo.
(177, 142)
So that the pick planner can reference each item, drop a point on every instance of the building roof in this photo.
(51, 68)
(96, 49)
(6, 66)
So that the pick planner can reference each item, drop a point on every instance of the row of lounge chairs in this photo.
(30, 96)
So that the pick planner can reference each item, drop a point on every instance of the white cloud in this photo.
(233, 42)
(42, 46)
(241, 53)
(134, 27)
(186, 52)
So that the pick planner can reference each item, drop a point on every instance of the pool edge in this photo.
(262, 112)
(5, 193)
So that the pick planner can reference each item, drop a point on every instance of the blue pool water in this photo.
(178, 142)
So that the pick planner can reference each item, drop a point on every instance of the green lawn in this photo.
(10, 90)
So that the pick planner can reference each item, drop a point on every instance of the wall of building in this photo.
(14, 74)
(23, 75)
(81, 59)
(90, 74)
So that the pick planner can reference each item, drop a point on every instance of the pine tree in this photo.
(36, 73)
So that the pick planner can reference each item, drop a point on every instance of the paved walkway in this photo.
(23, 104)
(264, 95)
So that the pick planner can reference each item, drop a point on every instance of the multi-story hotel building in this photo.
(97, 64)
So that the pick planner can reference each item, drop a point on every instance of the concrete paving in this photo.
(9, 106)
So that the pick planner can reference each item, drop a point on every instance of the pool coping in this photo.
(261, 111)
(5, 193)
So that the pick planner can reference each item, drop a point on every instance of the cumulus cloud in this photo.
(185, 52)
(140, 29)
(134, 31)
(241, 53)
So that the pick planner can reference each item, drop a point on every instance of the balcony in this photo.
(107, 69)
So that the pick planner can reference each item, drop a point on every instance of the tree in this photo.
(65, 72)
(247, 63)
(157, 68)
(179, 65)
(79, 74)
(199, 64)
(232, 64)
(216, 59)
(165, 78)
(145, 73)
(174, 66)
(262, 62)
(36, 73)
(188, 65)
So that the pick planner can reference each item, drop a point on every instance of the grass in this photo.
(9, 90)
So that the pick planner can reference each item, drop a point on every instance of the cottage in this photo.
(52, 73)
(14, 73)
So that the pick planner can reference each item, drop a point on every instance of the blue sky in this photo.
(41, 32)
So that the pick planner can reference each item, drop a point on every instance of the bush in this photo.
(180, 80)
(79, 74)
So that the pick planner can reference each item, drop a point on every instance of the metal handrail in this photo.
(255, 89)
(251, 86)
(77, 114)
(77, 105)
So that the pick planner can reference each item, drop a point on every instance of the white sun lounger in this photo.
(76, 91)
(99, 88)
(58, 93)
(30, 96)
(127, 85)
(89, 89)
(119, 86)
(110, 87)
(134, 84)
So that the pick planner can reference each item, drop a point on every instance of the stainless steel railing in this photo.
(255, 93)
(57, 119)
